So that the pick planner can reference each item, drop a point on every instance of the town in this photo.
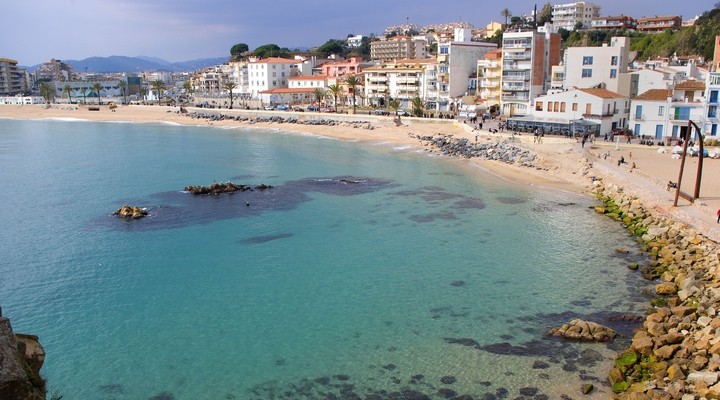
(538, 72)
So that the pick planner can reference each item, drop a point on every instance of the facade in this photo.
(457, 67)
(568, 15)
(659, 24)
(528, 58)
(588, 67)
(269, 73)
(82, 91)
(398, 47)
(489, 75)
(664, 113)
(616, 22)
(351, 66)
(492, 28)
(355, 41)
(54, 70)
(712, 96)
(401, 80)
(11, 78)
(21, 100)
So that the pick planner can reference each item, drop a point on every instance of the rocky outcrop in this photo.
(130, 212)
(21, 357)
(225, 187)
(462, 147)
(578, 329)
(676, 353)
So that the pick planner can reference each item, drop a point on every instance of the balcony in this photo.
(489, 84)
(516, 88)
(516, 77)
(515, 98)
(517, 56)
(597, 116)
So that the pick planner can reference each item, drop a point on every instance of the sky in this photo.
(180, 30)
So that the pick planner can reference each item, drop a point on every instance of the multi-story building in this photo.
(355, 40)
(614, 22)
(712, 96)
(664, 113)
(492, 28)
(457, 66)
(588, 67)
(568, 15)
(269, 73)
(300, 90)
(54, 70)
(659, 24)
(401, 80)
(528, 58)
(489, 75)
(398, 47)
(350, 66)
(11, 79)
(83, 91)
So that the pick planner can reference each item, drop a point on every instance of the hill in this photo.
(135, 64)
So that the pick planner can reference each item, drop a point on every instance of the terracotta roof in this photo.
(691, 85)
(655, 95)
(603, 93)
(309, 78)
(275, 60)
(290, 90)
(415, 61)
(654, 19)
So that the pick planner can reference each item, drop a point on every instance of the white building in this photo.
(269, 73)
(83, 91)
(22, 100)
(603, 67)
(569, 14)
(457, 66)
(712, 96)
(401, 80)
(664, 113)
(355, 41)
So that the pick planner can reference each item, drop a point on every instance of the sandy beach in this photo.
(561, 163)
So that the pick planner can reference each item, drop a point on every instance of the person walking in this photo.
(718, 215)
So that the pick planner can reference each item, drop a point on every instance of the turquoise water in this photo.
(357, 273)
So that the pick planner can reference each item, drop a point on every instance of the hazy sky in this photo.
(180, 30)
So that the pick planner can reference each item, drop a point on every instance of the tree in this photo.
(83, 91)
(68, 90)
(159, 86)
(417, 106)
(319, 94)
(545, 14)
(335, 90)
(353, 81)
(237, 50)
(271, 50)
(229, 86)
(332, 46)
(123, 87)
(96, 88)
(394, 105)
(47, 92)
(507, 14)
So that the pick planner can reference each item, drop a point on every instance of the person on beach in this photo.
(718, 215)
(621, 160)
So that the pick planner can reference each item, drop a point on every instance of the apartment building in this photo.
(457, 66)
(399, 47)
(664, 113)
(614, 22)
(568, 15)
(401, 80)
(350, 66)
(659, 24)
(269, 73)
(489, 76)
(712, 96)
(528, 58)
(603, 67)
(54, 70)
(11, 78)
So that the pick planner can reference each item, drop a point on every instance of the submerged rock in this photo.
(224, 187)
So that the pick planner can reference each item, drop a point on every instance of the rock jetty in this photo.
(21, 357)
(578, 329)
(676, 353)
(502, 151)
(130, 212)
(216, 117)
(224, 187)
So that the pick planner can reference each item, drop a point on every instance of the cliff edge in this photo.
(21, 357)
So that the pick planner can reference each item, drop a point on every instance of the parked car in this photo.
(269, 107)
(313, 108)
(328, 110)
(282, 107)
(402, 113)
(298, 109)
(381, 111)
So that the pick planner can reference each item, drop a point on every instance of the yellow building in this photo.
(489, 73)
(492, 28)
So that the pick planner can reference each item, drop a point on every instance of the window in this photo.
(556, 107)
(613, 60)
(587, 73)
(713, 96)
(588, 108)
(661, 111)
(613, 73)
(712, 111)
(574, 107)
(587, 60)
(562, 107)
(682, 113)
(274, 83)
(636, 131)
(538, 106)
(638, 112)
(443, 50)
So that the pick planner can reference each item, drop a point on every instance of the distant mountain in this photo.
(135, 64)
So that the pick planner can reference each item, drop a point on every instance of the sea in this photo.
(367, 270)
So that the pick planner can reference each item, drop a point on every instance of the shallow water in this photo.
(365, 270)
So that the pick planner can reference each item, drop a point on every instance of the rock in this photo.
(130, 212)
(225, 187)
(20, 363)
(709, 378)
(675, 373)
(586, 388)
(578, 329)
(666, 288)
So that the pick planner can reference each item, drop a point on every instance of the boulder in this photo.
(130, 212)
(666, 289)
(578, 329)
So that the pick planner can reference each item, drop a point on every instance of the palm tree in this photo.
(417, 106)
(46, 91)
(335, 90)
(123, 85)
(319, 94)
(507, 14)
(84, 93)
(229, 86)
(353, 82)
(96, 87)
(394, 105)
(159, 86)
(68, 90)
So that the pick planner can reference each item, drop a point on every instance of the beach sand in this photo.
(561, 163)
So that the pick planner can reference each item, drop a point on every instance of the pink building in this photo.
(334, 69)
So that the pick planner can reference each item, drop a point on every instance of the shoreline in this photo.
(560, 164)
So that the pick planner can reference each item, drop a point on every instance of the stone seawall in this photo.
(676, 353)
